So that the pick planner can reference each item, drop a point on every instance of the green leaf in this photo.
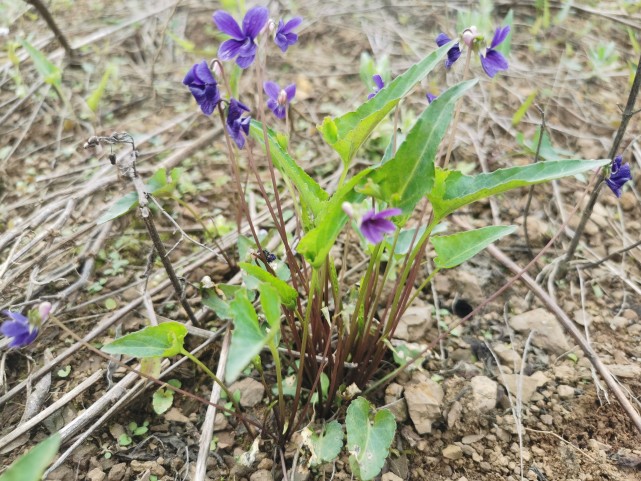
(347, 133)
(453, 190)
(368, 440)
(312, 195)
(218, 299)
(93, 101)
(247, 338)
(518, 115)
(123, 205)
(316, 244)
(455, 249)
(164, 340)
(31, 466)
(50, 73)
(407, 177)
(270, 303)
(326, 446)
(287, 293)
(124, 439)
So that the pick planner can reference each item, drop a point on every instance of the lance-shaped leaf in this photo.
(164, 340)
(409, 175)
(452, 250)
(287, 293)
(311, 194)
(453, 190)
(50, 73)
(316, 244)
(31, 466)
(248, 338)
(368, 440)
(347, 133)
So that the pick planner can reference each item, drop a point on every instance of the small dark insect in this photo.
(269, 257)
(112, 159)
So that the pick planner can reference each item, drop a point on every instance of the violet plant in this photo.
(327, 338)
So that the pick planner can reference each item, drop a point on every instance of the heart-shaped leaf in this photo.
(164, 340)
(368, 439)
(326, 446)
(287, 293)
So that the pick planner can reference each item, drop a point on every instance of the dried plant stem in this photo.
(526, 209)
(587, 213)
(46, 15)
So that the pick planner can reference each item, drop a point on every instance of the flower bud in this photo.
(348, 209)
(469, 34)
(44, 309)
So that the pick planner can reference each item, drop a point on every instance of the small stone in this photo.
(565, 392)
(547, 419)
(61, 473)
(424, 400)
(630, 314)
(467, 285)
(96, 474)
(472, 438)
(548, 336)
(414, 323)
(391, 477)
(628, 200)
(117, 472)
(174, 415)
(529, 385)
(220, 422)
(153, 467)
(507, 355)
(395, 402)
(225, 439)
(485, 391)
(582, 318)
(452, 452)
(251, 391)
(537, 229)
(261, 475)
(619, 322)
(565, 373)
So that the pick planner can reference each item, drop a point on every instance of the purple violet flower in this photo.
(284, 37)
(236, 123)
(453, 54)
(203, 87)
(18, 328)
(431, 97)
(374, 225)
(619, 175)
(279, 99)
(378, 85)
(494, 61)
(242, 42)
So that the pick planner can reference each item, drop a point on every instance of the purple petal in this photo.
(17, 317)
(499, 36)
(290, 25)
(244, 62)
(371, 96)
(202, 73)
(271, 89)
(228, 25)
(493, 62)
(453, 55)
(442, 39)
(254, 21)
(378, 80)
(384, 225)
(290, 90)
(370, 233)
(616, 164)
(230, 48)
(431, 97)
(273, 106)
(387, 213)
(13, 329)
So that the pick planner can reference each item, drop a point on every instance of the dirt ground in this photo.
(52, 191)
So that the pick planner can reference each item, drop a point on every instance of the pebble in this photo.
(529, 384)
(261, 475)
(565, 392)
(549, 333)
(96, 474)
(391, 477)
(472, 438)
(395, 402)
(625, 370)
(452, 452)
(117, 472)
(547, 419)
(424, 401)
(485, 392)
(176, 416)
(619, 322)
(251, 391)
(415, 322)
